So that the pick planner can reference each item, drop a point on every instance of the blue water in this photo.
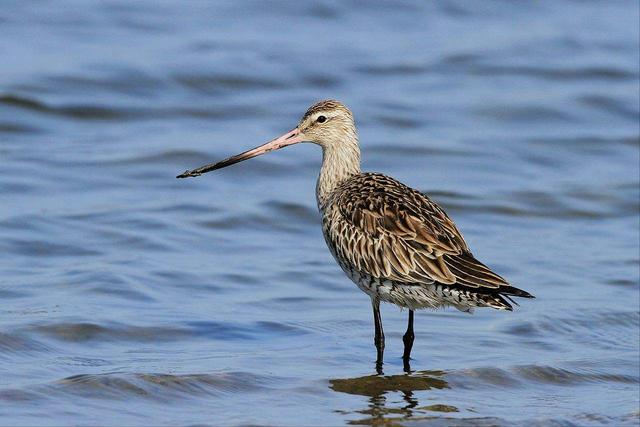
(131, 298)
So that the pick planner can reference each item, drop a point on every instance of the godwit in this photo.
(395, 243)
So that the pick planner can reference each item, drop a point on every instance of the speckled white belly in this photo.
(411, 296)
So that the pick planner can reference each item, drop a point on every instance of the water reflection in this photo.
(392, 398)
(406, 363)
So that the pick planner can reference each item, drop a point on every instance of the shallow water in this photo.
(132, 298)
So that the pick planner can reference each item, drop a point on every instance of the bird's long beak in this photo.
(292, 137)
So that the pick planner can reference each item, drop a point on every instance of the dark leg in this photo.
(379, 335)
(408, 339)
(406, 366)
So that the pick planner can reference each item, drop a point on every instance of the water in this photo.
(132, 298)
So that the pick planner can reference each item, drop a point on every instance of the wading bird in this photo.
(395, 243)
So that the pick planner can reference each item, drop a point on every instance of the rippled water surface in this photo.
(131, 298)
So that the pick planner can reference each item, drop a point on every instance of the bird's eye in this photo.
(321, 119)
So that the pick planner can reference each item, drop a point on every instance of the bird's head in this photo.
(328, 124)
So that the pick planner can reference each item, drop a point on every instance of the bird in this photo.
(395, 243)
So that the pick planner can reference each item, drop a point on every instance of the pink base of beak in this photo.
(292, 137)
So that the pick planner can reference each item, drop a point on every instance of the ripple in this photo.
(586, 142)
(121, 113)
(222, 331)
(17, 343)
(18, 396)
(280, 328)
(165, 157)
(522, 376)
(420, 151)
(128, 82)
(609, 104)
(122, 292)
(23, 102)
(539, 204)
(18, 128)
(624, 282)
(217, 83)
(525, 114)
(400, 122)
(292, 211)
(85, 332)
(263, 220)
(473, 378)
(148, 386)
(559, 74)
(320, 81)
(469, 63)
(559, 376)
(7, 292)
(49, 249)
(88, 112)
(393, 69)
(615, 331)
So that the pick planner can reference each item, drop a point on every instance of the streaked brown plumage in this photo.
(379, 227)
(395, 243)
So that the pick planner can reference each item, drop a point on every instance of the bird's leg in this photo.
(407, 338)
(379, 334)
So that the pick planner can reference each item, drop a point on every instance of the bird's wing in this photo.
(395, 232)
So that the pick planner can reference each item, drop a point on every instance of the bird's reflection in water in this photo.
(383, 407)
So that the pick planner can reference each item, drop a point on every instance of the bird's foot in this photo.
(406, 364)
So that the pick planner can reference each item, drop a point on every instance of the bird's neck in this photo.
(339, 163)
